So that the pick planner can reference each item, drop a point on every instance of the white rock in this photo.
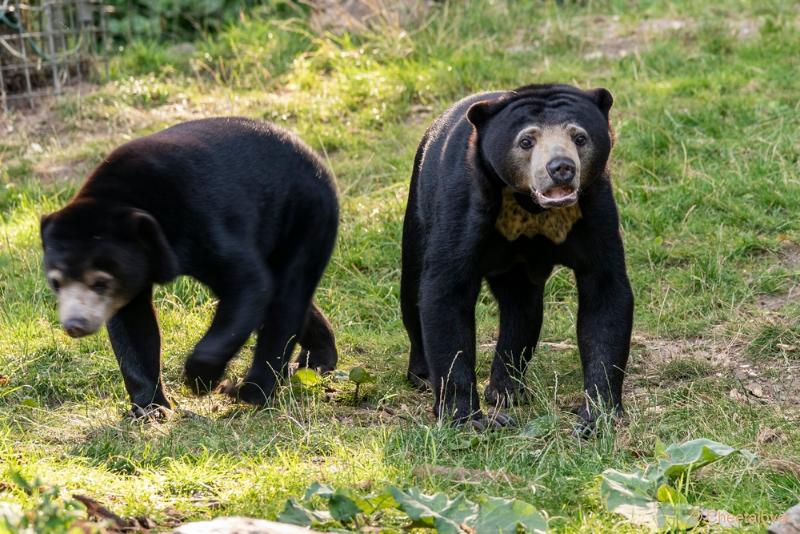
(239, 525)
(788, 523)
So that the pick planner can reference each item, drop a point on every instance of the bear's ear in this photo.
(162, 258)
(44, 221)
(480, 112)
(602, 97)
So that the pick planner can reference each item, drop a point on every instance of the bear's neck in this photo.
(514, 221)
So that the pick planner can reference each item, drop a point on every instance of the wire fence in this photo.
(48, 45)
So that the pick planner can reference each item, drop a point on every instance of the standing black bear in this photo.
(505, 186)
(242, 206)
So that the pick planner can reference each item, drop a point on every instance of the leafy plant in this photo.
(540, 427)
(182, 19)
(654, 496)
(52, 511)
(306, 378)
(359, 375)
(438, 511)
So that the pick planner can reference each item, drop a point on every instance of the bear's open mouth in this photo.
(557, 196)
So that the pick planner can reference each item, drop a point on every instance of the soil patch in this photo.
(764, 382)
(357, 16)
(618, 40)
(789, 257)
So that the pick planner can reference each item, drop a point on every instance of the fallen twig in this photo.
(97, 512)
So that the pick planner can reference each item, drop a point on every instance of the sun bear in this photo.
(240, 205)
(505, 186)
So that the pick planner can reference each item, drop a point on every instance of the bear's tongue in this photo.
(558, 192)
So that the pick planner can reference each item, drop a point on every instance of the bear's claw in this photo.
(202, 375)
(420, 383)
(248, 392)
(495, 421)
(151, 412)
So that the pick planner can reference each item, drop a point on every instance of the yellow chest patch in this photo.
(554, 223)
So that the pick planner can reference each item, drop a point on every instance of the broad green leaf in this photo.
(661, 516)
(693, 455)
(449, 516)
(371, 503)
(668, 494)
(647, 498)
(345, 504)
(306, 378)
(660, 449)
(359, 375)
(678, 516)
(297, 514)
(501, 516)
(343, 507)
(318, 490)
(618, 489)
(436, 511)
(633, 495)
(540, 427)
(379, 501)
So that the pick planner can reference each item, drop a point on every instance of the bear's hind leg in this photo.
(275, 344)
(418, 374)
(520, 302)
(318, 342)
(283, 322)
(242, 300)
(136, 341)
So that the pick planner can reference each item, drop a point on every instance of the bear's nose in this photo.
(561, 170)
(76, 327)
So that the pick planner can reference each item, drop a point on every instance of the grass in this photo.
(706, 177)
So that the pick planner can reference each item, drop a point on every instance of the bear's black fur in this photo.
(242, 206)
(470, 163)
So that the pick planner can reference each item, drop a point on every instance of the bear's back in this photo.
(211, 160)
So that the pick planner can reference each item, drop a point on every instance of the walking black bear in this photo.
(242, 206)
(505, 186)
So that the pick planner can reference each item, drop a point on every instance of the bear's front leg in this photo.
(240, 311)
(447, 313)
(136, 341)
(605, 320)
(520, 303)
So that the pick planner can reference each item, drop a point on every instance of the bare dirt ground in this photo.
(770, 381)
(361, 15)
(620, 40)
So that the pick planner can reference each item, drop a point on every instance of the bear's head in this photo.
(545, 141)
(97, 258)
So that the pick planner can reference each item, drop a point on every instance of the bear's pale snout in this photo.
(84, 308)
(77, 327)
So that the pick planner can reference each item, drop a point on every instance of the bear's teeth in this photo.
(558, 192)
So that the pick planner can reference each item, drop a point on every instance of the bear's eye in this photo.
(580, 140)
(55, 284)
(101, 286)
(526, 143)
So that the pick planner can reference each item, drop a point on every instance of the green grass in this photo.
(706, 177)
